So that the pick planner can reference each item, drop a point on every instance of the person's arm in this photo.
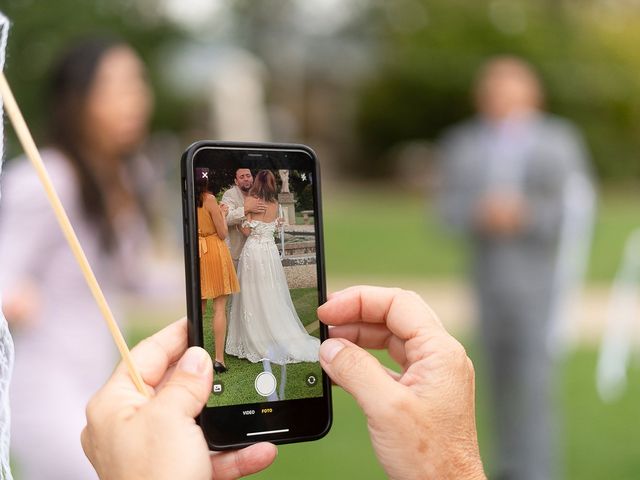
(236, 213)
(546, 202)
(244, 230)
(422, 420)
(211, 205)
(462, 202)
(456, 199)
(225, 209)
(254, 205)
(132, 437)
(28, 236)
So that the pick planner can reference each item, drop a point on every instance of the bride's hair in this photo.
(264, 186)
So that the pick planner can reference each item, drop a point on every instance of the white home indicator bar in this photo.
(252, 434)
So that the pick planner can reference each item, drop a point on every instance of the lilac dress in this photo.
(66, 353)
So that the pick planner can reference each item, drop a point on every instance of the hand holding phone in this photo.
(252, 297)
(422, 420)
(131, 436)
(424, 429)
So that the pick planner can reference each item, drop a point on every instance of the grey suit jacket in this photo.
(522, 265)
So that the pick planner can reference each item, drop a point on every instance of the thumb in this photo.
(190, 384)
(358, 372)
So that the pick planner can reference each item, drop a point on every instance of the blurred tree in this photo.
(430, 50)
(41, 29)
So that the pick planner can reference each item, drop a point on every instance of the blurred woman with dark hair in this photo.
(218, 277)
(99, 104)
(263, 322)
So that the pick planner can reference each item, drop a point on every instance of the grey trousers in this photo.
(514, 329)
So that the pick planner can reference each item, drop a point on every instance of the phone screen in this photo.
(259, 244)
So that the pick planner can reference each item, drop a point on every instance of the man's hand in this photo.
(129, 436)
(254, 205)
(502, 214)
(422, 420)
(224, 208)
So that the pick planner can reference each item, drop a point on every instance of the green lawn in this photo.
(618, 216)
(399, 234)
(238, 380)
(396, 234)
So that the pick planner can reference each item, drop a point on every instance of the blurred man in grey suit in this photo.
(505, 178)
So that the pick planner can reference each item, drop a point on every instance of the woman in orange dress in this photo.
(218, 277)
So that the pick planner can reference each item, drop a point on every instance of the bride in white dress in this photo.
(263, 323)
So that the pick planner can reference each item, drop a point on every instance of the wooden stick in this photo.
(22, 131)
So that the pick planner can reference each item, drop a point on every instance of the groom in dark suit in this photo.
(505, 178)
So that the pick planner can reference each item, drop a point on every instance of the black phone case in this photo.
(190, 241)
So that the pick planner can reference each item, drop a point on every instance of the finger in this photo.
(393, 374)
(365, 335)
(405, 313)
(359, 373)
(239, 463)
(165, 378)
(368, 335)
(155, 354)
(85, 442)
(188, 388)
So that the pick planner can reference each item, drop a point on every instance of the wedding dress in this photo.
(6, 343)
(263, 323)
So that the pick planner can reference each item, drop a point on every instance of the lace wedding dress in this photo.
(263, 323)
(6, 361)
(6, 344)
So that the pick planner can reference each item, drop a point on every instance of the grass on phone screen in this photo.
(238, 380)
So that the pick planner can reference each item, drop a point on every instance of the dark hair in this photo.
(71, 80)
(202, 188)
(264, 186)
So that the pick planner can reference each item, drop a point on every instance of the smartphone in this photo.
(254, 263)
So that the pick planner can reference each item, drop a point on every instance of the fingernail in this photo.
(330, 348)
(195, 361)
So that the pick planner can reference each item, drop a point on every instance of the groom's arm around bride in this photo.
(239, 206)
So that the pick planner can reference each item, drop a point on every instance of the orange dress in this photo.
(217, 274)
